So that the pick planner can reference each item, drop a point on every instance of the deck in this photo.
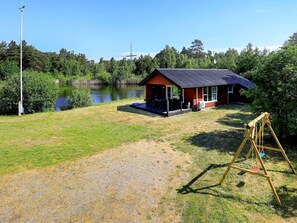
(145, 107)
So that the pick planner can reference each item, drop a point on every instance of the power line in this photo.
(131, 55)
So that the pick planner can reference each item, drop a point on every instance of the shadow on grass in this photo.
(187, 188)
(229, 141)
(236, 120)
(244, 116)
(224, 141)
(127, 108)
(243, 107)
(291, 151)
(207, 190)
(288, 198)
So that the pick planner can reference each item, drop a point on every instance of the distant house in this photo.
(171, 89)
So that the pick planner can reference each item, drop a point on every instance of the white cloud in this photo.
(260, 10)
(138, 54)
(239, 49)
(270, 47)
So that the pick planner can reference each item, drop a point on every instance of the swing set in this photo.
(254, 132)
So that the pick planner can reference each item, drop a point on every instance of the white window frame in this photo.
(230, 91)
(214, 93)
(205, 94)
(210, 91)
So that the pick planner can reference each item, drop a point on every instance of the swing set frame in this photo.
(253, 137)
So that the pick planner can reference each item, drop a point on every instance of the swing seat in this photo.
(255, 169)
(262, 154)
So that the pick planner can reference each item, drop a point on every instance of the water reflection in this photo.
(101, 94)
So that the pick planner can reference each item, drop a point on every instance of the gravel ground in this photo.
(124, 184)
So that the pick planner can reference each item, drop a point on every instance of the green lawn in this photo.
(210, 137)
(46, 139)
(242, 197)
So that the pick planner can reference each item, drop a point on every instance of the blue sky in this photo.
(105, 28)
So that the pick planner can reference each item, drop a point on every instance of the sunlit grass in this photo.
(241, 198)
(49, 138)
(210, 137)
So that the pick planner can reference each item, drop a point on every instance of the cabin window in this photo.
(210, 93)
(230, 88)
(214, 93)
(205, 94)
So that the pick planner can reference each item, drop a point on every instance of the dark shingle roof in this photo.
(189, 78)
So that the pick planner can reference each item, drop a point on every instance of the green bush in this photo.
(79, 98)
(276, 90)
(39, 93)
(7, 69)
(105, 77)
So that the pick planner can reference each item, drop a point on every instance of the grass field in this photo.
(210, 137)
(46, 139)
(242, 197)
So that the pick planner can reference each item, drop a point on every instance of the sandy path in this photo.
(124, 184)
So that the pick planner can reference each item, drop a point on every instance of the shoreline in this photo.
(78, 82)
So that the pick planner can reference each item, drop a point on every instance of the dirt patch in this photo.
(124, 184)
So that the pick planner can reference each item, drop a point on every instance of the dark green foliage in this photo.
(144, 65)
(196, 50)
(227, 60)
(7, 69)
(79, 98)
(104, 77)
(167, 57)
(274, 74)
(248, 60)
(292, 41)
(10, 96)
(67, 65)
(39, 93)
(276, 90)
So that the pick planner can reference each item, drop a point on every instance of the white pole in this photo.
(21, 62)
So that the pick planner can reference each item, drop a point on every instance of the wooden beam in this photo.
(249, 128)
(281, 148)
(183, 95)
(228, 94)
(249, 171)
(253, 122)
(235, 156)
(269, 148)
(181, 105)
(167, 107)
(258, 134)
(196, 98)
(266, 173)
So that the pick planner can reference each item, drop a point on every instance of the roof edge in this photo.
(143, 82)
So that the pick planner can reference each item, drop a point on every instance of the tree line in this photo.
(67, 65)
(274, 73)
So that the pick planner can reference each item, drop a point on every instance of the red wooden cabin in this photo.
(193, 88)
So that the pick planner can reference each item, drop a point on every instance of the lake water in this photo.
(101, 93)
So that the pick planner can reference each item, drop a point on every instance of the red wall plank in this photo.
(158, 79)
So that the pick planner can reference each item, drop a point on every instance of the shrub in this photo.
(104, 76)
(79, 98)
(276, 91)
(7, 68)
(39, 93)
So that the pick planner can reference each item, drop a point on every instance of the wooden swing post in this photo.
(258, 134)
(253, 137)
(236, 154)
(280, 147)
